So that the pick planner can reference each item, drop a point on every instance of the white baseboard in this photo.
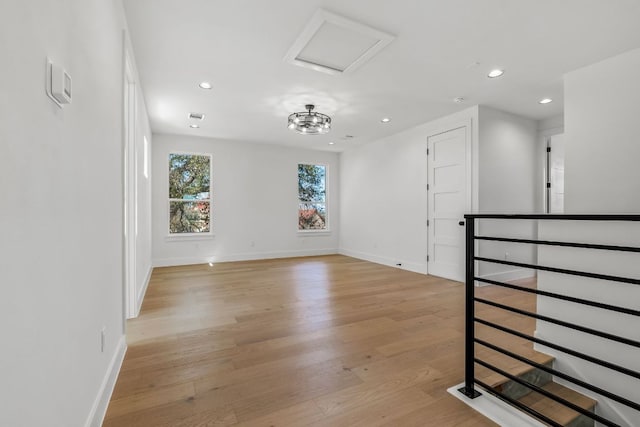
(405, 265)
(99, 409)
(250, 256)
(506, 276)
(143, 291)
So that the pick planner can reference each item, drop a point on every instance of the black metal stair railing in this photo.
(471, 320)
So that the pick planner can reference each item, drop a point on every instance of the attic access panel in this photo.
(333, 44)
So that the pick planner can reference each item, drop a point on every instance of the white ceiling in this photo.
(442, 50)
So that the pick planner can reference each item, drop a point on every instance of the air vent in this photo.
(196, 116)
(333, 44)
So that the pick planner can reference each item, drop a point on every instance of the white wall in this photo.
(61, 211)
(601, 176)
(383, 200)
(254, 202)
(387, 180)
(507, 162)
(603, 136)
(508, 157)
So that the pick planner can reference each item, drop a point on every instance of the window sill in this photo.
(306, 233)
(188, 237)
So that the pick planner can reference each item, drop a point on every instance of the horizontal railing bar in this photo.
(594, 360)
(557, 243)
(548, 394)
(517, 404)
(562, 375)
(561, 217)
(561, 270)
(562, 297)
(584, 329)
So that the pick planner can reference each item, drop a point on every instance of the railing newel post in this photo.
(469, 322)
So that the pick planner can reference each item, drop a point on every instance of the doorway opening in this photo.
(554, 191)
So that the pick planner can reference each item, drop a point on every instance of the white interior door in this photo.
(447, 201)
(555, 186)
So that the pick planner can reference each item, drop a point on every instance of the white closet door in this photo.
(447, 201)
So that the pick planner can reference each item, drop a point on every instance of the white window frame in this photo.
(327, 229)
(190, 236)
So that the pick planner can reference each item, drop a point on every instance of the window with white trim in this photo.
(312, 197)
(189, 193)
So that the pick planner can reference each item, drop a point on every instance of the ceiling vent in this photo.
(333, 44)
(196, 116)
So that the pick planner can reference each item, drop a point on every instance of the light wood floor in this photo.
(318, 341)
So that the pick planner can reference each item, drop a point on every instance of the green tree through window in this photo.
(189, 193)
(312, 203)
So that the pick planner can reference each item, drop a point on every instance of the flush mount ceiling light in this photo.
(309, 122)
(205, 85)
(545, 101)
(495, 73)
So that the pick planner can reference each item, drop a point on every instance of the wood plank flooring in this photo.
(316, 341)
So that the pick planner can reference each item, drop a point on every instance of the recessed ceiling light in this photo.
(194, 126)
(385, 120)
(545, 101)
(205, 85)
(331, 143)
(495, 73)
